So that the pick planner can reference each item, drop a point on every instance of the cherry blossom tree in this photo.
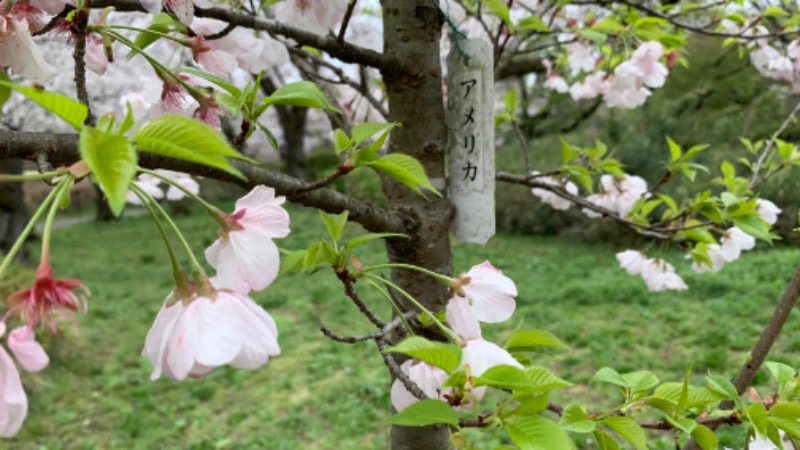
(213, 62)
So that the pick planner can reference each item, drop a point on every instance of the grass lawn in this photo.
(97, 394)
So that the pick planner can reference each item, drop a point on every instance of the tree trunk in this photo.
(412, 29)
(13, 217)
(293, 124)
(103, 213)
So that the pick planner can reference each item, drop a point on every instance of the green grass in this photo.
(96, 393)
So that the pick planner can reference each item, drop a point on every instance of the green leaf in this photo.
(364, 131)
(595, 36)
(567, 153)
(790, 426)
(185, 138)
(444, 356)
(684, 424)
(753, 225)
(112, 160)
(781, 372)
(605, 441)
(292, 261)
(340, 141)
(530, 406)
(358, 240)
(299, 93)
(695, 396)
(786, 410)
(609, 375)
(629, 430)
(404, 169)
(71, 111)
(128, 121)
(426, 412)
(538, 433)
(533, 341)
(334, 223)
(533, 23)
(5, 90)
(511, 100)
(545, 380)
(609, 24)
(774, 11)
(500, 9)
(705, 438)
(642, 380)
(674, 150)
(162, 23)
(574, 419)
(229, 102)
(270, 137)
(757, 414)
(505, 377)
(722, 386)
(215, 79)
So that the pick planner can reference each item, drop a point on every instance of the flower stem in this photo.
(447, 281)
(32, 177)
(394, 306)
(177, 273)
(28, 228)
(213, 210)
(197, 269)
(447, 331)
(51, 215)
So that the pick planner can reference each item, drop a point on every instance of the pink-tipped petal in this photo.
(29, 353)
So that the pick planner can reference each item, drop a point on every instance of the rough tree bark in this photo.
(293, 124)
(412, 29)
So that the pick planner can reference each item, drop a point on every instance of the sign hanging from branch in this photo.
(470, 124)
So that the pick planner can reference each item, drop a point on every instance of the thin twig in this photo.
(79, 56)
(755, 181)
(398, 373)
(341, 171)
(220, 34)
(351, 339)
(523, 142)
(350, 291)
(346, 21)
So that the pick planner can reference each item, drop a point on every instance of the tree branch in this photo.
(63, 149)
(341, 50)
(764, 344)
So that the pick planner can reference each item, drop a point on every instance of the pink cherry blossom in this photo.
(556, 83)
(29, 353)
(481, 355)
(183, 9)
(618, 194)
(717, 261)
(253, 52)
(768, 211)
(244, 255)
(581, 58)
(95, 57)
(593, 85)
(13, 401)
(659, 276)
(52, 7)
(626, 89)
(218, 62)
(550, 198)
(632, 261)
(428, 378)
(646, 58)
(48, 297)
(316, 16)
(733, 242)
(19, 53)
(191, 337)
(490, 294)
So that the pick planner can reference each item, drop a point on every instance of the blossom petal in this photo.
(29, 353)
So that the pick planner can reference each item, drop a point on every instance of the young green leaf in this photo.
(533, 341)
(629, 430)
(299, 93)
(340, 141)
(505, 377)
(112, 160)
(426, 412)
(71, 111)
(705, 438)
(5, 90)
(185, 138)
(538, 433)
(444, 356)
(605, 441)
(404, 169)
(364, 131)
(722, 386)
(576, 420)
(334, 223)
